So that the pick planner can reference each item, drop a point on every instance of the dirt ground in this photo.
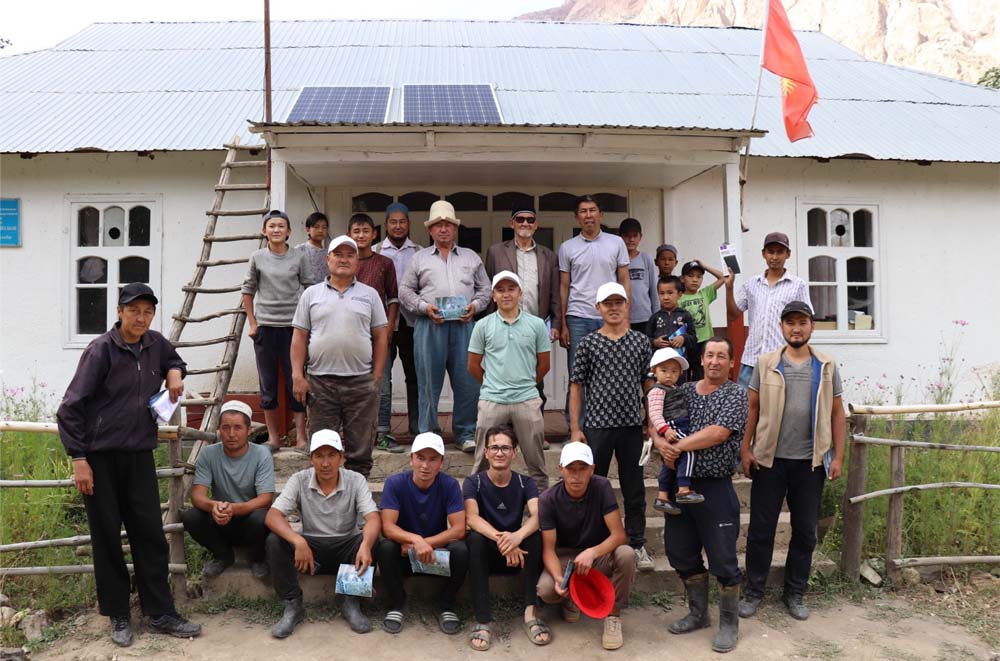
(894, 629)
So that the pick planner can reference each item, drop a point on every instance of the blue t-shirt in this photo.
(422, 512)
(502, 507)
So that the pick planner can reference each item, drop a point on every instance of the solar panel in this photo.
(450, 104)
(348, 105)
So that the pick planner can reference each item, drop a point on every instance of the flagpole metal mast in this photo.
(753, 116)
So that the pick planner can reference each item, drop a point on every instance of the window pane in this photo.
(114, 226)
(467, 201)
(860, 306)
(611, 203)
(557, 202)
(822, 269)
(824, 300)
(88, 227)
(816, 219)
(138, 226)
(840, 228)
(419, 200)
(91, 270)
(91, 311)
(133, 269)
(470, 237)
(508, 201)
(543, 236)
(860, 269)
(863, 228)
(370, 202)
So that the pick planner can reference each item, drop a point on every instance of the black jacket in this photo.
(106, 406)
(664, 323)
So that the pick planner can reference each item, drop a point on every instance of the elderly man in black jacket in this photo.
(107, 427)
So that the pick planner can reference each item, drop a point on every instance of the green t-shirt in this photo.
(698, 305)
(510, 356)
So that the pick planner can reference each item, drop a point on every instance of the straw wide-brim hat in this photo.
(442, 210)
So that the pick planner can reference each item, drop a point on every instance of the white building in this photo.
(111, 141)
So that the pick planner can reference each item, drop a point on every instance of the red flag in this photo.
(783, 57)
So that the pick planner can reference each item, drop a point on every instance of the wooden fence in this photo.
(855, 498)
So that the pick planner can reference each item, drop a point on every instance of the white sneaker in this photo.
(643, 561)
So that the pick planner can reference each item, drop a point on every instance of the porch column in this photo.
(733, 232)
(279, 181)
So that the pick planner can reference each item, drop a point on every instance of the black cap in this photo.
(275, 213)
(522, 208)
(134, 290)
(692, 265)
(630, 225)
(794, 307)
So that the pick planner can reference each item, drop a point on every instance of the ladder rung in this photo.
(204, 343)
(216, 315)
(231, 145)
(224, 262)
(198, 401)
(241, 187)
(237, 212)
(212, 290)
(233, 237)
(245, 164)
(210, 370)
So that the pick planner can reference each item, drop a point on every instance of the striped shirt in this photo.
(764, 304)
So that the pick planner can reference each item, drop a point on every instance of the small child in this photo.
(697, 300)
(317, 229)
(667, 410)
(672, 326)
(666, 259)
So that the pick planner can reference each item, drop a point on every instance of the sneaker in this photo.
(468, 446)
(121, 631)
(642, 560)
(749, 605)
(570, 611)
(216, 566)
(795, 607)
(175, 625)
(612, 638)
(259, 570)
(666, 506)
(387, 443)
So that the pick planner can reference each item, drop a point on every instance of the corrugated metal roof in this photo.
(191, 86)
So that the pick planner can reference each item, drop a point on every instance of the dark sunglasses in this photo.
(522, 220)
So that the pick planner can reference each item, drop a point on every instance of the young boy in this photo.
(666, 259)
(317, 228)
(642, 274)
(672, 326)
(696, 300)
(667, 410)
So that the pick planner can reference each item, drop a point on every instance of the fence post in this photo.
(174, 502)
(854, 533)
(894, 526)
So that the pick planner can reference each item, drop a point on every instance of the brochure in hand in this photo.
(440, 567)
(681, 330)
(451, 307)
(729, 259)
(161, 408)
(351, 583)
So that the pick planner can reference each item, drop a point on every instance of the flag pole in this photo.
(753, 116)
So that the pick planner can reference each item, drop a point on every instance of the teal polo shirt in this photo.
(510, 356)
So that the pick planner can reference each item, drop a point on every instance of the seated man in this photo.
(422, 511)
(580, 521)
(330, 500)
(240, 476)
(500, 540)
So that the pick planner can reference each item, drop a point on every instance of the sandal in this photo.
(449, 622)
(393, 622)
(481, 633)
(540, 629)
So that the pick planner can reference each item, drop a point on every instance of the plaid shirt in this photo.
(764, 304)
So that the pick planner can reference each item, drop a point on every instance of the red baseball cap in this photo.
(593, 593)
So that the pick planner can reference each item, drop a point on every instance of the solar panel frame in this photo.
(355, 104)
(415, 113)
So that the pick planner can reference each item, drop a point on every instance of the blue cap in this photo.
(397, 206)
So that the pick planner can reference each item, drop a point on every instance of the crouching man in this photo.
(330, 500)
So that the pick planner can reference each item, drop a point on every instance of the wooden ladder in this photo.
(230, 342)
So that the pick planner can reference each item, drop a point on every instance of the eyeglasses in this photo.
(524, 220)
(500, 449)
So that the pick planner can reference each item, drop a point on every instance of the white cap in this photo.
(609, 289)
(341, 240)
(326, 437)
(576, 451)
(238, 406)
(427, 440)
(442, 210)
(506, 275)
(665, 354)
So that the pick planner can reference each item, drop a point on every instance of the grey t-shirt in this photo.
(340, 327)
(795, 438)
(645, 300)
(333, 515)
(276, 282)
(235, 480)
(317, 268)
(590, 264)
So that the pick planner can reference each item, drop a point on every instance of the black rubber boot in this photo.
(350, 608)
(294, 614)
(729, 619)
(696, 588)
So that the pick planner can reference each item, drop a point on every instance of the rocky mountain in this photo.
(954, 38)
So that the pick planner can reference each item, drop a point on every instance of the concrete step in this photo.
(238, 580)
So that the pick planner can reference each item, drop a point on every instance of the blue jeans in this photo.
(579, 328)
(746, 373)
(440, 347)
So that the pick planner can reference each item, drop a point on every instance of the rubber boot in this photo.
(696, 588)
(350, 608)
(294, 614)
(729, 619)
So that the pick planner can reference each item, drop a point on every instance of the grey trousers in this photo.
(529, 427)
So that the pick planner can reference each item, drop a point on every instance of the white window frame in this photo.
(73, 252)
(843, 334)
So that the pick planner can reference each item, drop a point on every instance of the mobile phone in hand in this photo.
(570, 566)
